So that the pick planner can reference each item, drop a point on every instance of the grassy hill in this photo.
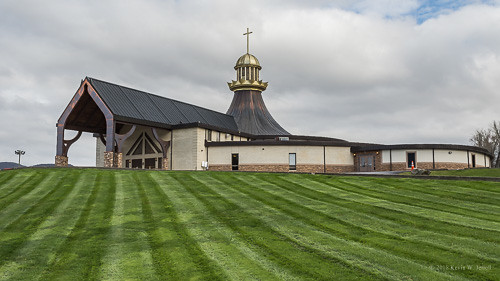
(81, 224)
(494, 172)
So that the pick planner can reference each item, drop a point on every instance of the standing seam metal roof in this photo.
(149, 109)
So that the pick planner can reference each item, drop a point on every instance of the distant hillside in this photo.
(43, 165)
(9, 165)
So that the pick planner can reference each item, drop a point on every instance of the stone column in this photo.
(109, 159)
(61, 161)
(118, 160)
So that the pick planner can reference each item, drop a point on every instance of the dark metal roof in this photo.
(134, 106)
(377, 147)
(252, 116)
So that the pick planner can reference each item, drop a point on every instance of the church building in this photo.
(136, 129)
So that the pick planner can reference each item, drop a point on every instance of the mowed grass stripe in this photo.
(418, 201)
(489, 188)
(184, 259)
(15, 233)
(342, 190)
(22, 188)
(6, 176)
(326, 190)
(357, 254)
(459, 190)
(10, 180)
(29, 261)
(128, 255)
(299, 259)
(422, 199)
(233, 255)
(17, 208)
(80, 256)
(418, 192)
(425, 253)
(355, 214)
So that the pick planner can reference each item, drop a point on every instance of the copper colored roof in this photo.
(252, 116)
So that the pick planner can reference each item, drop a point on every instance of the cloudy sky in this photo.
(382, 71)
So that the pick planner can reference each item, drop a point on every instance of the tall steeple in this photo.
(247, 72)
(248, 107)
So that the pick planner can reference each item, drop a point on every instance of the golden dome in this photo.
(247, 60)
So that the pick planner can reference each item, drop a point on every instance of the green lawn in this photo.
(469, 173)
(84, 224)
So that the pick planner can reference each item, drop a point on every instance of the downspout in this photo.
(390, 159)
(324, 159)
(468, 164)
(433, 160)
(171, 148)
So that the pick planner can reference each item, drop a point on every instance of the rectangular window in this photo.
(292, 161)
(209, 135)
(411, 159)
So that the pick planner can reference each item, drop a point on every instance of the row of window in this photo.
(218, 136)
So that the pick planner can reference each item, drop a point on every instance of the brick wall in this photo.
(340, 168)
(264, 168)
(401, 166)
(304, 168)
(219, 167)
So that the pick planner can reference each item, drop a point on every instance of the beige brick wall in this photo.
(184, 149)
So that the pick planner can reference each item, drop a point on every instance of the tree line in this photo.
(489, 139)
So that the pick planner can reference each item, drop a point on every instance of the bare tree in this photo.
(489, 139)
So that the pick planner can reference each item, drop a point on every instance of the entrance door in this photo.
(473, 160)
(412, 159)
(234, 161)
(366, 163)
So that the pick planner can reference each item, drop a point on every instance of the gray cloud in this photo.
(360, 70)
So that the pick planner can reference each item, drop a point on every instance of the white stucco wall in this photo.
(269, 154)
(440, 156)
(339, 156)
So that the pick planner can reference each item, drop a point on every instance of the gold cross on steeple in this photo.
(248, 38)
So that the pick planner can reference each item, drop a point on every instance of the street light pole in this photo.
(19, 152)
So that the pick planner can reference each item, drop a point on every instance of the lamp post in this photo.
(19, 152)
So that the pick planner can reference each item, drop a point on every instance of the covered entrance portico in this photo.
(87, 112)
